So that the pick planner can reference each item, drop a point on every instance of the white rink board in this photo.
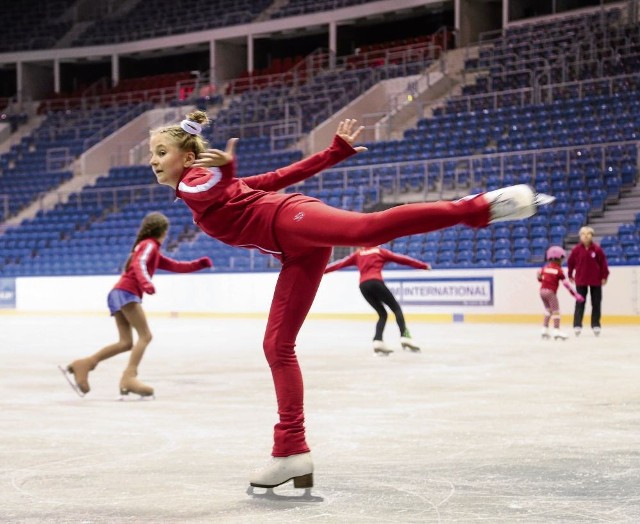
(515, 293)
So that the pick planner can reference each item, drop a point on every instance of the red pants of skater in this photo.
(307, 230)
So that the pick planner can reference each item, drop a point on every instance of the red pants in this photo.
(306, 231)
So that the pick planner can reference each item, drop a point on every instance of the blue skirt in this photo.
(118, 298)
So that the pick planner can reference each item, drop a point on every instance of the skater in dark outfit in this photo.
(125, 305)
(370, 262)
(300, 231)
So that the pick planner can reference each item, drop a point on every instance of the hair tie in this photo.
(191, 127)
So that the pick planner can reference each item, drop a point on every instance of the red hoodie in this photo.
(370, 262)
(241, 211)
(589, 263)
(146, 258)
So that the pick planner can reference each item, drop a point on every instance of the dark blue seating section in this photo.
(625, 246)
(94, 231)
(37, 164)
(561, 50)
(33, 24)
(255, 112)
(170, 17)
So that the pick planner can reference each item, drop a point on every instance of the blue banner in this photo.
(7, 293)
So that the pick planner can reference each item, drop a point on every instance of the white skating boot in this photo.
(559, 335)
(130, 384)
(298, 468)
(577, 330)
(545, 333)
(380, 348)
(515, 203)
(596, 331)
(408, 343)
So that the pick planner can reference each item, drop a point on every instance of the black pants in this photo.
(377, 294)
(596, 300)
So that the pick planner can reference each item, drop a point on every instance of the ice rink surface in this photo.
(488, 424)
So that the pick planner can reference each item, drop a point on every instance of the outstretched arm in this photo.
(339, 264)
(390, 256)
(572, 290)
(341, 148)
(179, 266)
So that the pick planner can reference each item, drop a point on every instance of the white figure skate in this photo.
(596, 331)
(280, 470)
(577, 330)
(545, 333)
(515, 203)
(559, 335)
(409, 344)
(380, 348)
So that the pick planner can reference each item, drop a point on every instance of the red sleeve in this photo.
(142, 260)
(390, 256)
(347, 261)
(197, 183)
(287, 176)
(571, 262)
(561, 274)
(604, 265)
(178, 266)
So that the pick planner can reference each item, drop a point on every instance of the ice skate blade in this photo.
(542, 199)
(413, 349)
(269, 494)
(303, 481)
(74, 386)
(560, 338)
(135, 397)
(546, 337)
(383, 352)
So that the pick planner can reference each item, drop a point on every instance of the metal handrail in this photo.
(124, 195)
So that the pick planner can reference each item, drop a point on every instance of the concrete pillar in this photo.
(115, 70)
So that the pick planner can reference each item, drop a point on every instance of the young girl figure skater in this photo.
(301, 232)
(370, 261)
(124, 303)
(549, 277)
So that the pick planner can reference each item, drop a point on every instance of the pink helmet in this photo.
(555, 252)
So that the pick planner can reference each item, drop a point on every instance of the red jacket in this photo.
(241, 211)
(590, 265)
(550, 276)
(370, 262)
(145, 260)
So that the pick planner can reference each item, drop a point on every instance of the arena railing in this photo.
(542, 93)
(161, 95)
(321, 61)
(469, 172)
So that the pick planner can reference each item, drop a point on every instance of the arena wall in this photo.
(504, 295)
